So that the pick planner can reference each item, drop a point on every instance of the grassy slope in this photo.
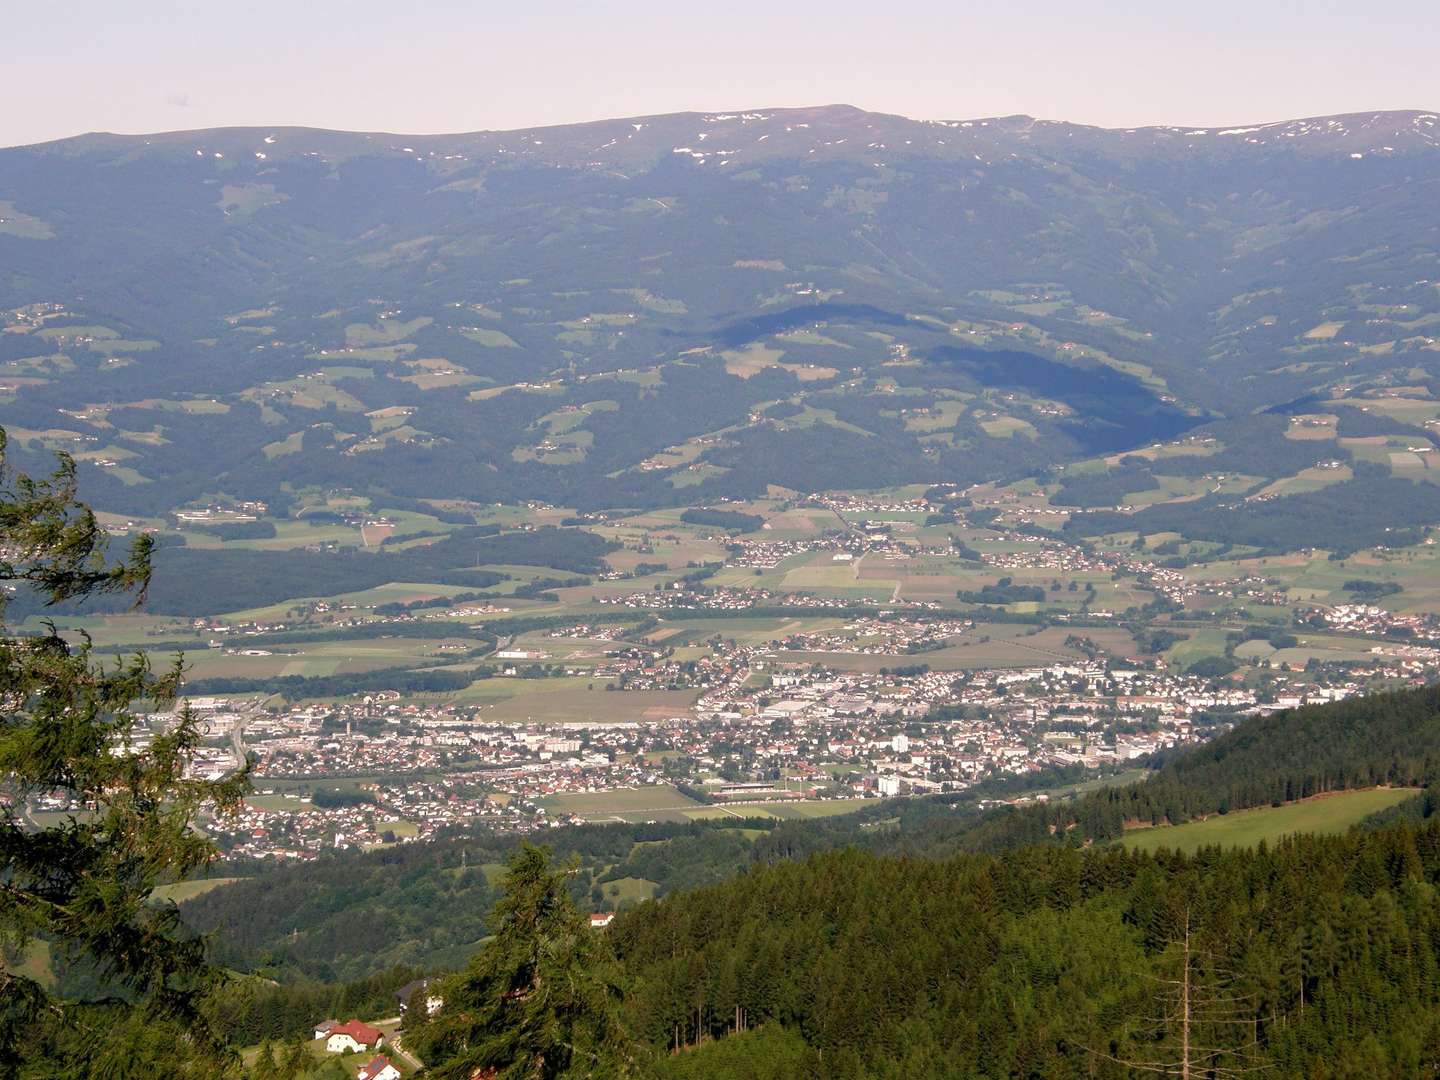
(188, 890)
(1326, 814)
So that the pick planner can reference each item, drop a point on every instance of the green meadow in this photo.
(1245, 828)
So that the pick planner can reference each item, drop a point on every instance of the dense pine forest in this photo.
(1316, 957)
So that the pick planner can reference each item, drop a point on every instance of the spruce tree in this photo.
(539, 1000)
(84, 887)
(297, 1060)
(265, 1064)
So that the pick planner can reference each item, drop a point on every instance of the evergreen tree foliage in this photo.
(540, 1000)
(83, 887)
(296, 1061)
(1314, 957)
(251, 1010)
(265, 1063)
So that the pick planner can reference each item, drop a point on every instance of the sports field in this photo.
(1325, 814)
(609, 804)
(571, 700)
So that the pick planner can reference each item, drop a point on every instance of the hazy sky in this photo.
(71, 66)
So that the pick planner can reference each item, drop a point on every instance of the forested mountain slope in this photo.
(347, 916)
(539, 314)
(1317, 957)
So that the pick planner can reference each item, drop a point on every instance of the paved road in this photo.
(404, 1055)
(237, 742)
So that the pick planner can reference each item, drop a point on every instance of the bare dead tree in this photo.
(1196, 1002)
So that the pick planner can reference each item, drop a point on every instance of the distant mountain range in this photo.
(682, 307)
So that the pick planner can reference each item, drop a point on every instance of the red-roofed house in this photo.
(378, 1068)
(352, 1036)
(601, 919)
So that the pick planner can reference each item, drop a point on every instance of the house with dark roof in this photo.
(407, 995)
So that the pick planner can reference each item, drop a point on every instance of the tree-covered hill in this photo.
(1295, 754)
(1317, 957)
(537, 314)
(348, 916)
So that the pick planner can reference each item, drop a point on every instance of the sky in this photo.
(425, 66)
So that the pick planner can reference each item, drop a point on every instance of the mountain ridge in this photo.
(317, 279)
(1420, 126)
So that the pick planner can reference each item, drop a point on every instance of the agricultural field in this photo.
(119, 630)
(1244, 828)
(188, 890)
(986, 645)
(275, 802)
(296, 787)
(1119, 779)
(627, 891)
(32, 961)
(781, 809)
(954, 560)
(321, 658)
